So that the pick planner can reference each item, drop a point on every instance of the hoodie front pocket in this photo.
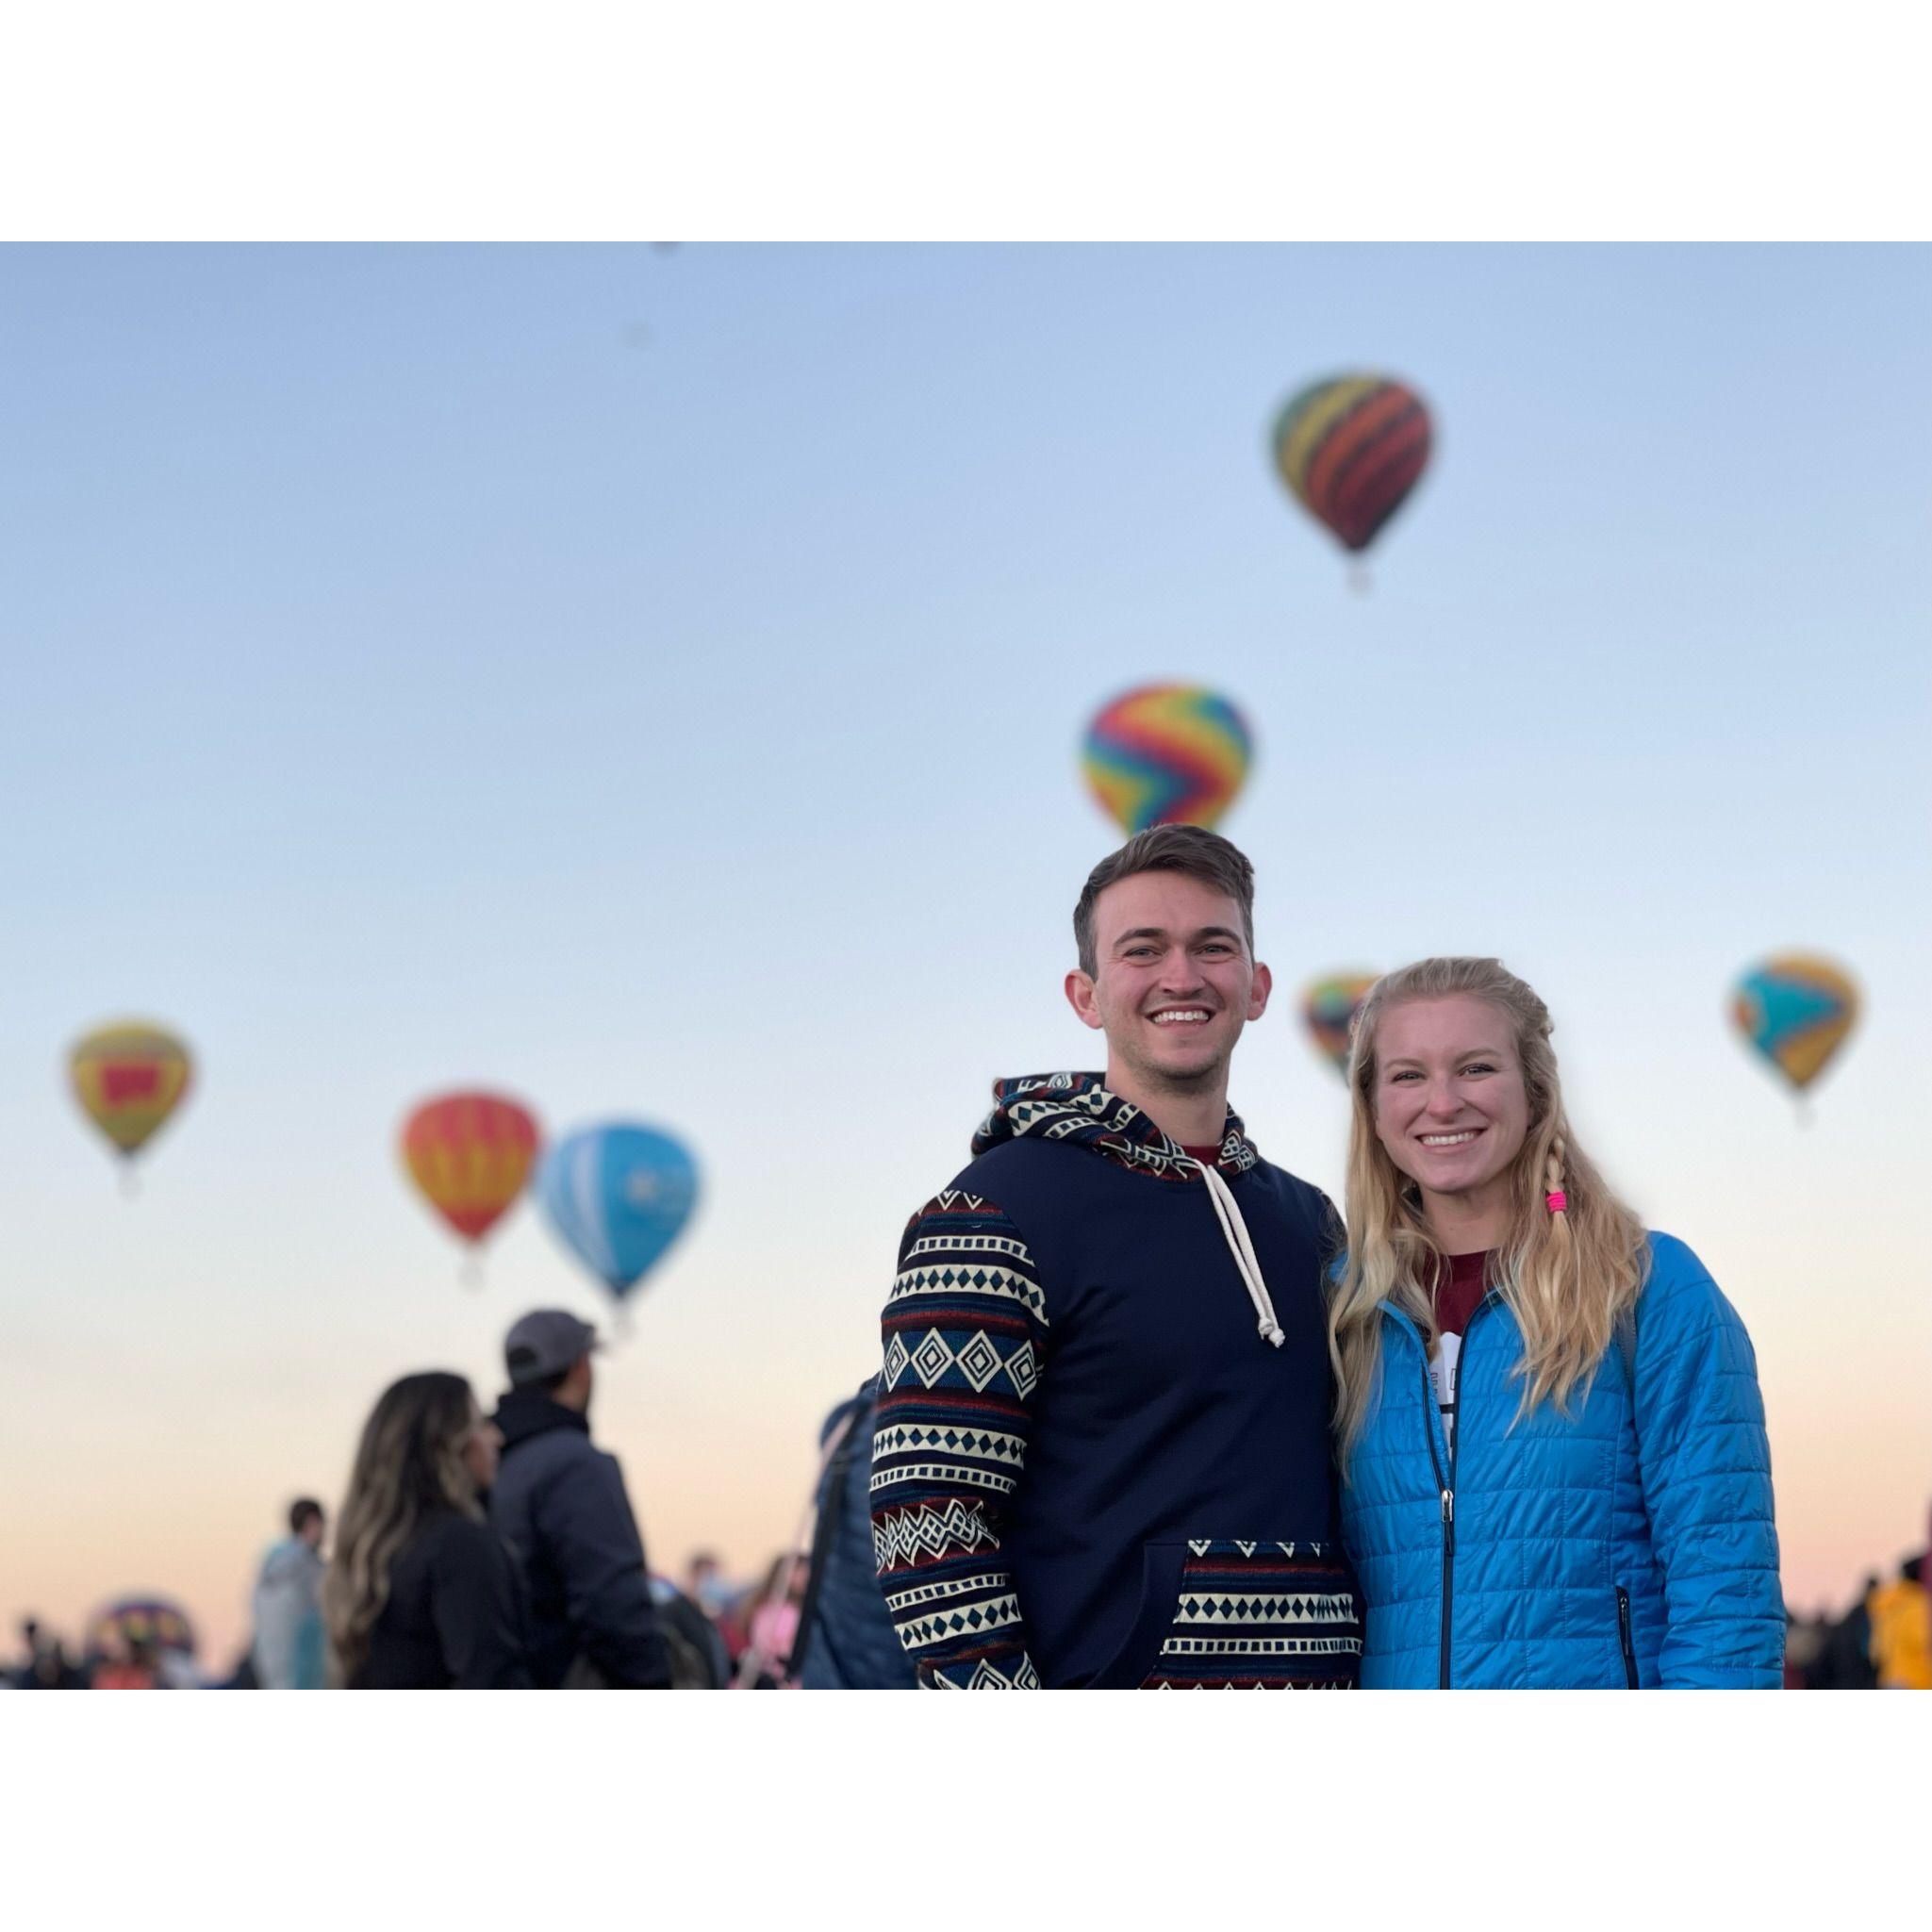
(1162, 1566)
(1258, 1614)
(1624, 1638)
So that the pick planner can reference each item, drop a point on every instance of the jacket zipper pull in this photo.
(1450, 1519)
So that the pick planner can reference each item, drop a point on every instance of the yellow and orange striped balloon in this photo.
(470, 1154)
(129, 1077)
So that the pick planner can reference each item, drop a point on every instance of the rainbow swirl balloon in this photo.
(1328, 1007)
(1167, 755)
(1796, 1009)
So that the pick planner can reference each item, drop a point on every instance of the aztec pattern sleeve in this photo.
(965, 1331)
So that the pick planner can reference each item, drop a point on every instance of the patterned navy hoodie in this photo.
(1094, 1465)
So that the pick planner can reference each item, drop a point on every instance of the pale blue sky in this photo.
(419, 674)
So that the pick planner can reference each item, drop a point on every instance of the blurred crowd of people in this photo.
(500, 1551)
(1882, 1643)
(494, 1551)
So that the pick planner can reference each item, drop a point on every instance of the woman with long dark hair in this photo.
(1555, 1471)
(421, 1593)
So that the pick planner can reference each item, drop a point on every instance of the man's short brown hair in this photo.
(1190, 849)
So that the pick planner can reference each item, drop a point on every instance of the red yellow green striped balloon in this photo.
(1350, 449)
(129, 1076)
(470, 1154)
(1167, 755)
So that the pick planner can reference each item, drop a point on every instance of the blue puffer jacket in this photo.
(1628, 1546)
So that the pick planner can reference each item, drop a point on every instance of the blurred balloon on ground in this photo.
(1167, 755)
(152, 1620)
(129, 1076)
(1329, 1006)
(618, 1196)
(1350, 449)
(470, 1154)
(1796, 1009)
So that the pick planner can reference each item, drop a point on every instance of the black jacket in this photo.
(560, 1503)
(453, 1619)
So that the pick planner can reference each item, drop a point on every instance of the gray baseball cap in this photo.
(545, 1342)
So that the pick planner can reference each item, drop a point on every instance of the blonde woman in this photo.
(1553, 1464)
(421, 1593)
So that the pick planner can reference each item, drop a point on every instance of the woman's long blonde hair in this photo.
(1567, 1275)
(409, 1465)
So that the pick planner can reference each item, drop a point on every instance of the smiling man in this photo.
(1102, 1453)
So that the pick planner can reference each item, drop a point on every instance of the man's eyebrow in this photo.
(1160, 933)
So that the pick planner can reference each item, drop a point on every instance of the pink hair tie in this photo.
(1557, 1203)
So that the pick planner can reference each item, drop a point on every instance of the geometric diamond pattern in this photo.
(1023, 1369)
(931, 1357)
(979, 1362)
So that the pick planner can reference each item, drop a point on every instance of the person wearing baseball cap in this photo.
(560, 1503)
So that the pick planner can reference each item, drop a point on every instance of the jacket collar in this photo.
(526, 1413)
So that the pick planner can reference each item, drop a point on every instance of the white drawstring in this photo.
(1228, 1212)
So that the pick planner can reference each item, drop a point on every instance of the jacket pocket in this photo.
(1629, 1649)
(1258, 1614)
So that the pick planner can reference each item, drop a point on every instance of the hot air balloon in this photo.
(618, 1196)
(1350, 450)
(149, 1620)
(470, 1155)
(1167, 755)
(1796, 1009)
(1328, 1007)
(130, 1076)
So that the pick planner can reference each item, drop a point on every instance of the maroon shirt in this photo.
(1456, 1296)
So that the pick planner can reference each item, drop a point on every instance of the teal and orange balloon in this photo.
(1329, 1009)
(129, 1077)
(1796, 1009)
(1350, 449)
(1167, 755)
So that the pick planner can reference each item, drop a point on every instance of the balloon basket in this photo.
(130, 1184)
(470, 1274)
(1361, 579)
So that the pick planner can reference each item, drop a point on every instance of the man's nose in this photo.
(1179, 974)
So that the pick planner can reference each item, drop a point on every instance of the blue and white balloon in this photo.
(618, 1196)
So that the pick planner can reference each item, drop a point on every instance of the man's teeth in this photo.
(1167, 1019)
(1447, 1140)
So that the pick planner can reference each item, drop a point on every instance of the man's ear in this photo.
(1258, 994)
(1080, 996)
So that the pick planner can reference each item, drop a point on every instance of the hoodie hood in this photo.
(1078, 1107)
(526, 1413)
(289, 1562)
